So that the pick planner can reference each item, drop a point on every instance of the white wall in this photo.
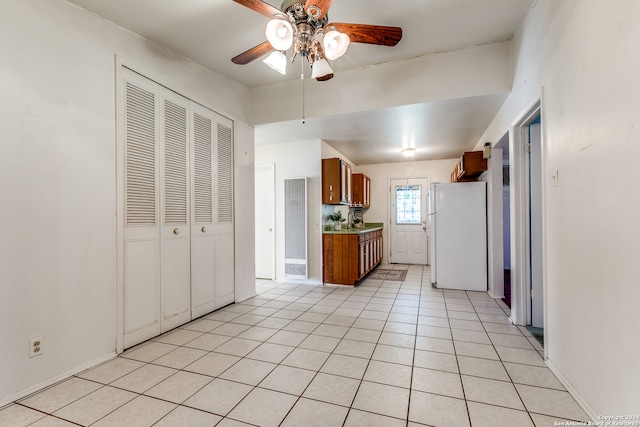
(244, 207)
(478, 70)
(583, 55)
(495, 247)
(380, 174)
(57, 180)
(296, 160)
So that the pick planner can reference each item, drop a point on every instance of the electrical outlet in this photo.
(36, 346)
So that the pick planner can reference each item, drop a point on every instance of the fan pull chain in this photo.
(302, 80)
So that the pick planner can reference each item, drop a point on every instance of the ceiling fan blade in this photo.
(323, 5)
(371, 34)
(259, 6)
(252, 54)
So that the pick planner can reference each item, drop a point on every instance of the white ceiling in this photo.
(211, 32)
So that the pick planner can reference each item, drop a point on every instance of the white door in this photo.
(156, 235)
(141, 246)
(175, 257)
(203, 250)
(535, 225)
(223, 213)
(178, 251)
(212, 243)
(265, 217)
(408, 231)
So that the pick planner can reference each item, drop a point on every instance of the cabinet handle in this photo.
(203, 229)
(176, 231)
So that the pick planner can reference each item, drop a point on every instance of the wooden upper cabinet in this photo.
(471, 165)
(336, 182)
(361, 190)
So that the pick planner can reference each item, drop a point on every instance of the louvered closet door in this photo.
(141, 217)
(203, 245)
(175, 259)
(225, 258)
(212, 246)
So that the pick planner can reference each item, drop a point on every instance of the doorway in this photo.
(535, 315)
(265, 196)
(408, 213)
(527, 222)
(503, 148)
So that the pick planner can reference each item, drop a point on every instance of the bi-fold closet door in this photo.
(178, 209)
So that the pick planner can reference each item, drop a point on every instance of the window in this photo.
(408, 204)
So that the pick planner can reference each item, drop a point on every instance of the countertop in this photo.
(368, 227)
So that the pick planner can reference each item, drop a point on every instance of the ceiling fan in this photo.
(304, 28)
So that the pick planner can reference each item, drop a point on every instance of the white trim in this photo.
(572, 391)
(271, 168)
(494, 296)
(518, 203)
(119, 143)
(52, 381)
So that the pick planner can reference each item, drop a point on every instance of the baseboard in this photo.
(255, 294)
(51, 381)
(494, 296)
(572, 391)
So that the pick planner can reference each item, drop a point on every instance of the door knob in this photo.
(203, 229)
(176, 231)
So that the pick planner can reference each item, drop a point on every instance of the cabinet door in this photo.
(366, 192)
(331, 181)
(344, 186)
(349, 178)
(361, 256)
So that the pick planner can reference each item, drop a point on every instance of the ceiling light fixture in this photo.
(305, 33)
(335, 43)
(321, 69)
(302, 28)
(408, 152)
(278, 61)
(279, 32)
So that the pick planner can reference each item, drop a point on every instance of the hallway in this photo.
(385, 353)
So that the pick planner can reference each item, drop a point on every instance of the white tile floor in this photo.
(384, 353)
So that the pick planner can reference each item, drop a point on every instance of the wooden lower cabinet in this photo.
(347, 258)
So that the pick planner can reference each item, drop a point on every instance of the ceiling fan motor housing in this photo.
(306, 26)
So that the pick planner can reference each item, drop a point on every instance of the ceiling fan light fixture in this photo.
(278, 61)
(335, 43)
(408, 152)
(320, 69)
(279, 32)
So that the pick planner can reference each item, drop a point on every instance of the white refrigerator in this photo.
(458, 215)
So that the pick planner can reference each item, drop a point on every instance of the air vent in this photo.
(295, 228)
